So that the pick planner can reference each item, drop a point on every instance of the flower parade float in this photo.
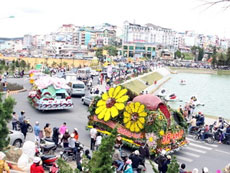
(49, 93)
(139, 119)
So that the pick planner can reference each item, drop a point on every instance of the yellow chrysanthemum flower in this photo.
(111, 102)
(162, 132)
(134, 116)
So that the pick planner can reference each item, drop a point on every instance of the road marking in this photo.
(225, 152)
(184, 158)
(193, 140)
(200, 146)
(196, 150)
(191, 154)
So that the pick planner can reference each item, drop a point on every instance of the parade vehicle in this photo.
(50, 93)
(139, 119)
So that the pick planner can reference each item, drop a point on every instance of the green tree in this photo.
(54, 64)
(99, 54)
(3, 62)
(101, 161)
(214, 55)
(193, 50)
(65, 64)
(112, 50)
(28, 66)
(6, 68)
(64, 167)
(17, 63)
(22, 64)
(228, 57)
(6, 109)
(221, 59)
(178, 54)
(12, 67)
(200, 54)
(173, 167)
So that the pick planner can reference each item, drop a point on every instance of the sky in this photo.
(46, 16)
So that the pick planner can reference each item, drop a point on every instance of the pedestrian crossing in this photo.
(194, 150)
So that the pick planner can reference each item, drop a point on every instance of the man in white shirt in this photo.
(93, 135)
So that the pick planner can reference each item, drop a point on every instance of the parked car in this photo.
(86, 100)
(16, 138)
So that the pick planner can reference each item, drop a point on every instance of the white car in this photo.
(77, 88)
(16, 138)
(86, 100)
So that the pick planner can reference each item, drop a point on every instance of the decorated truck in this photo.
(50, 93)
(139, 120)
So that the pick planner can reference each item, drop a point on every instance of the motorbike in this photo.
(30, 127)
(69, 154)
(47, 147)
(194, 130)
(48, 161)
(209, 137)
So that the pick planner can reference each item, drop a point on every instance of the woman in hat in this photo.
(36, 167)
(76, 135)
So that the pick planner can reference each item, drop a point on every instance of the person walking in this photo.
(117, 158)
(119, 141)
(137, 161)
(14, 120)
(65, 139)
(37, 133)
(93, 135)
(47, 130)
(160, 160)
(98, 140)
(63, 128)
(21, 117)
(144, 152)
(24, 128)
(55, 136)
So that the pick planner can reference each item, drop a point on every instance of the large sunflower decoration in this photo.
(111, 103)
(134, 116)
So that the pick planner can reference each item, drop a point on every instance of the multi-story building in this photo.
(27, 41)
(140, 41)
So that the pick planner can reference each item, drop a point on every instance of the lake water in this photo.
(212, 90)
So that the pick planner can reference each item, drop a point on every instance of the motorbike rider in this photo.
(36, 167)
(72, 142)
(204, 132)
(227, 132)
(137, 161)
(200, 119)
(192, 123)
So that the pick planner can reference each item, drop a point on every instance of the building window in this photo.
(125, 47)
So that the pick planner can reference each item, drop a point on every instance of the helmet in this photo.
(37, 159)
(205, 170)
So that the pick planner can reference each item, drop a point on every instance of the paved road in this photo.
(197, 154)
